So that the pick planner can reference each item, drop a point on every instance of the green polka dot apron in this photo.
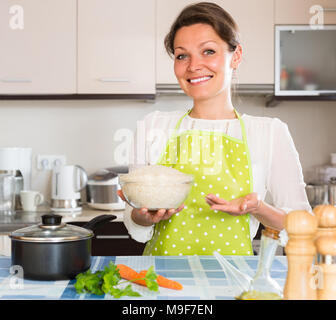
(220, 165)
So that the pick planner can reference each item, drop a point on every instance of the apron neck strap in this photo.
(180, 120)
(242, 125)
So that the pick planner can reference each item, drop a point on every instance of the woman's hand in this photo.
(236, 207)
(145, 217)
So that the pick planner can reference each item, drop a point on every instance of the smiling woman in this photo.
(203, 65)
(204, 40)
(235, 159)
(204, 34)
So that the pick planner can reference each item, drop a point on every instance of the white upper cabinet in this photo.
(116, 47)
(255, 19)
(305, 12)
(38, 47)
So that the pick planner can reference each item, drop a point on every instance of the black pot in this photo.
(54, 250)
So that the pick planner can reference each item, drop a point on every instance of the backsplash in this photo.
(83, 130)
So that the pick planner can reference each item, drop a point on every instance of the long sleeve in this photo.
(136, 231)
(285, 180)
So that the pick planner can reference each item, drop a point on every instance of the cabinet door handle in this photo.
(113, 80)
(13, 80)
(113, 237)
(328, 9)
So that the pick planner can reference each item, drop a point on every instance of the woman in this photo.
(234, 158)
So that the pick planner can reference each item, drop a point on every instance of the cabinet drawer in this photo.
(112, 239)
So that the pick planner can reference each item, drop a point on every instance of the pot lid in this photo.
(51, 230)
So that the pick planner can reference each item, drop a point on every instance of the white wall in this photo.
(83, 130)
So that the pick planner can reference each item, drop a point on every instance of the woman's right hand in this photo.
(145, 217)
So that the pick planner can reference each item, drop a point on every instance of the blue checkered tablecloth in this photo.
(202, 278)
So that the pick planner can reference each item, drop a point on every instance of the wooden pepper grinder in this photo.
(326, 248)
(326, 220)
(301, 227)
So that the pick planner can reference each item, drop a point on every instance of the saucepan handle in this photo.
(99, 221)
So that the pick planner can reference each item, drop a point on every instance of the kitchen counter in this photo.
(21, 219)
(201, 276)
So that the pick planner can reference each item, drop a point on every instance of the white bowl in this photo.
(156, 187)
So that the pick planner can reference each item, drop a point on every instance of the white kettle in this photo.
(67, 182)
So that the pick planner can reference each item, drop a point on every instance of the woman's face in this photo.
(203, 63)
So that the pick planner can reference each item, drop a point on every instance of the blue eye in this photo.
(209, 52)
(180, 56)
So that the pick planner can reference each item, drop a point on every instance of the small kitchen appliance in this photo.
(102, 189)
(322, 188)
(17, 162)
(317, 194)
(332, 191)
(7, 194)
(67, 183)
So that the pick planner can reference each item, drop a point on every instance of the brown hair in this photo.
(207, 13)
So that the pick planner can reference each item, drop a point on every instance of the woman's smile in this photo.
(199, 80)
(202, 62)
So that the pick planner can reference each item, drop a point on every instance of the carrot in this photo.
(131, 275)
(127, 272)
(164, 282)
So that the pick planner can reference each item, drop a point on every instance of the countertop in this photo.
(202, 278)
(21, 219)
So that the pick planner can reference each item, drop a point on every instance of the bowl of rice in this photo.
(155, 187)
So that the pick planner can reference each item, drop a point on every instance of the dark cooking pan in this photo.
(53, 250)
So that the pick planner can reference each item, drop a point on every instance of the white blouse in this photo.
(275, 162)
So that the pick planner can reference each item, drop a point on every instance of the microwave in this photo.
(305, 60)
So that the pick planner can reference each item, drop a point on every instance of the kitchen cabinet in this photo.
(255, 19)
(112, 239)
(116, 47)
(298, 12)
(38, 46)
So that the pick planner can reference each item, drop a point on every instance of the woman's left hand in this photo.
(236, 207)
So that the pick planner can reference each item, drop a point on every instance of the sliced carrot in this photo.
(164, 282)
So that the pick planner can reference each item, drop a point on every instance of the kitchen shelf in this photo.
(273, 101)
